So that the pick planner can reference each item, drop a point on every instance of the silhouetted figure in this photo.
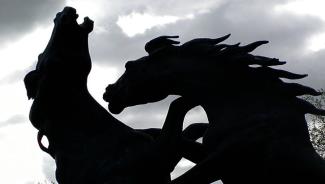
(88, 144)
(257, 130)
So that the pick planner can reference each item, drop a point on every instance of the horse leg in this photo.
(190, 149)
(192, 132)
(170, 139)
(173, 125)
(195, 131)
(164, 153)
(211, 168)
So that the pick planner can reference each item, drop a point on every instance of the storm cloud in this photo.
(18, 17)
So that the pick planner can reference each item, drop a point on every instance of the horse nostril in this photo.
(108, 93)
(106, 97)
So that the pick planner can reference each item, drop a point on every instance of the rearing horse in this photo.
(88, 144)
(257, 130)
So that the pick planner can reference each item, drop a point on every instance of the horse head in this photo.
(201, 67)
(66, 56)
(145, 75)
(65, 63)
(160, 73)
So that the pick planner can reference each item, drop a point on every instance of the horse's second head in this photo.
(200, 68)
(167, 69)
(142, 79)
(170, 69)
(66, 57)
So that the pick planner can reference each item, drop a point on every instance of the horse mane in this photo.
(244, 70)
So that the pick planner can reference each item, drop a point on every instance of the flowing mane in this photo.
(230, 67)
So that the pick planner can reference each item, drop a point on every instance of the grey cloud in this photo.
(115, 48)
(16, 119)
(20, 16)
(314, 66)
(16, 76)
(288, 35)
(247, 22)
(252, 21)
(167, 7)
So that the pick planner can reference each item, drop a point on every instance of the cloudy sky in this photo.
(295, 29)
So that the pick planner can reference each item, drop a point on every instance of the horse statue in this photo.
(88, 144)
(257, 129)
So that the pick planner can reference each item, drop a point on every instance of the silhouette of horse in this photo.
(88, 144)
(257, 130)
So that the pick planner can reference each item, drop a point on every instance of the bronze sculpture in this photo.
(88, 144)
(257, 130)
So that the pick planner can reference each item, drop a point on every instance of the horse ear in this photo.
(160, 42)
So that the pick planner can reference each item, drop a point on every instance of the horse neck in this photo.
(246, 112)
(264, 127)
(71, 101)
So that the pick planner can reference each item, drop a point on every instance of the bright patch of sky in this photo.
(22, 53)
(21, 159)
(98, 79)
(138, 23)
(13, 101)
(88, 8)
(305, 7)
(312, 8)
(317, 42)
(183, 166)
(95, 11)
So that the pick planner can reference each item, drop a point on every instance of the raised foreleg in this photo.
(189, 148)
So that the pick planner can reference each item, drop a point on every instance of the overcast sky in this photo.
(295, 29)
